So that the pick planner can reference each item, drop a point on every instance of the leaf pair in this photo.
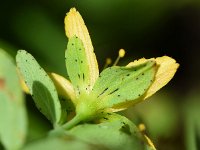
(40, 87)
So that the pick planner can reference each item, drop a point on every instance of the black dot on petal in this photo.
(118, 95)
(81, 61)
(136, 78)
(79, 49)
(142, 73)
(139, 95)
(76, 60)
(72, 44)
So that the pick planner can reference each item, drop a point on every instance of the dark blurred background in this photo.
(143, 28)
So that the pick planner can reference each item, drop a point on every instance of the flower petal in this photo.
(167, 69)
(63, 86)
(165, 72)
(124, 84)
(22, 83)
(75, 26)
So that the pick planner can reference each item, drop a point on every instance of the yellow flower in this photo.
(162, 71)
(83, 90)
(75, 26)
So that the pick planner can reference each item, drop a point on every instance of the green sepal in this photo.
(77, 67)
(117, 85)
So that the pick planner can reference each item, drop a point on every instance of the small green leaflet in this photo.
(77, 67)
(40, 85)
(117, 85)
(13, 121)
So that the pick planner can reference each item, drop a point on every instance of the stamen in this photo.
(142, 127)
(121, 55)
(108, 62)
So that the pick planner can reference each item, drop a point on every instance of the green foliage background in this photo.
(144, 29)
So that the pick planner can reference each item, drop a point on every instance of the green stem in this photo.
(72, 122)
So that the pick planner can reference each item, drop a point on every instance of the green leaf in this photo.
(117, 85)
(77, 67)
(62, 142)
(114, 132)
(13, 121)
(40, 86)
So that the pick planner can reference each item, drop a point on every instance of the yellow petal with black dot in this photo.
(75, 26)
(166, 70)
(118, 85)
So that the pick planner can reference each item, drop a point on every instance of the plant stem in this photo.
(72, 122)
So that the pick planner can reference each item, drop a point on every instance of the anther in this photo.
(108, 62)
(121, 55)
